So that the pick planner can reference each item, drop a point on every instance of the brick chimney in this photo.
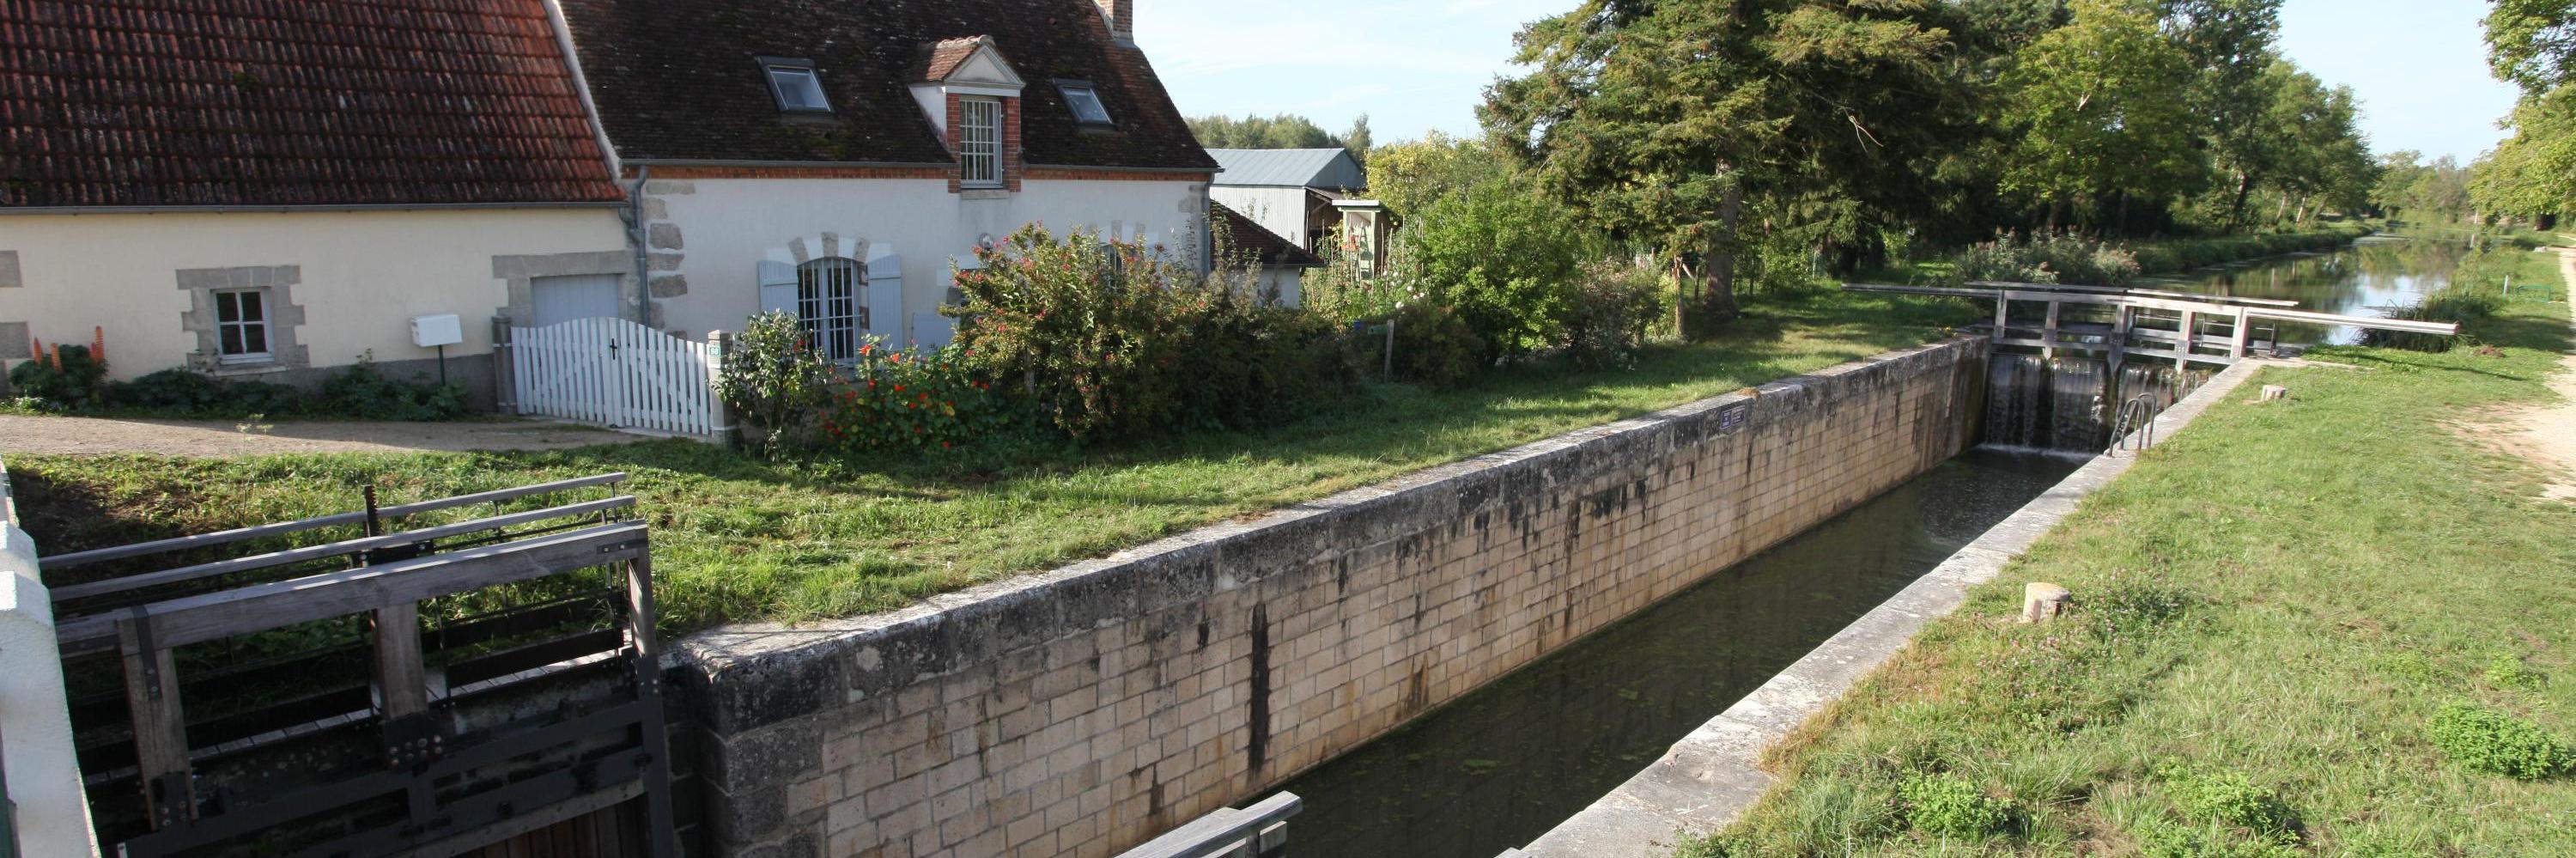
(1122, 19)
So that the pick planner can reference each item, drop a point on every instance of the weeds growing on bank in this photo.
(739, 538)
(2322, 626)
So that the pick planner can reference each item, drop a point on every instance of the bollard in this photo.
(2041, 602)
(2274, 391)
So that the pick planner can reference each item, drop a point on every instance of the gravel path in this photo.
(2549, 432)
(220, 439)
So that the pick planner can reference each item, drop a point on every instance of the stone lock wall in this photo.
(1082, 711)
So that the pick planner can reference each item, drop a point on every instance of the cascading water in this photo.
(2069, 404)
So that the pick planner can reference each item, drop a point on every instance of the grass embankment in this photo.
(2276, 611)
(738, 538)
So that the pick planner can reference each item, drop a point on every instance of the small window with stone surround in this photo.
(241, 326)
(245, 319)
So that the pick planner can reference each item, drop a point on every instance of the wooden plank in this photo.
(1220, 831)
(346, 519)
(160, 725)
(2137, 292)
(267, 606)
(337, 549)
(402, 688)
(2443, 328)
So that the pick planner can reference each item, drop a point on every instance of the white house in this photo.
(273, 202)
(840, 160)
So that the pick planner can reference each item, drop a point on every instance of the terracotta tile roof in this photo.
(289, 102)
(681, 80)
(1265, 246)
(946, 55)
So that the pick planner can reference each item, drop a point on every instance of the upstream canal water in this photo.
(2362, 280)
(1501, 766)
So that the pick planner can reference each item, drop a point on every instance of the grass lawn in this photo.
(738, 538)
(2273, 610)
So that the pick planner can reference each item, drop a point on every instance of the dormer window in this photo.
(1085, 103)
(795, 84)
(979, 142)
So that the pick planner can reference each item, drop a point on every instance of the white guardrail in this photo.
(47, 814)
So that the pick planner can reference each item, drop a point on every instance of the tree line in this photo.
(1734, 137)
(2532, 44)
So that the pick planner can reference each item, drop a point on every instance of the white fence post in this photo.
(52, 813)
(719, 349)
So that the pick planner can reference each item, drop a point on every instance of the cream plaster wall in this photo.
(726, 226)
(364, 275)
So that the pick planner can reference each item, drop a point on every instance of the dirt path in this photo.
(221, 439)
(2548, 433)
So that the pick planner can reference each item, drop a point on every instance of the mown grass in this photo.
(739, 538)
(2274, 612)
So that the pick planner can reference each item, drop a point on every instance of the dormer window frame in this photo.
(1065, 88)
(770, 69)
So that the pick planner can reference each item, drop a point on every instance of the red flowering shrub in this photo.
(903, 401)
(1111, 339)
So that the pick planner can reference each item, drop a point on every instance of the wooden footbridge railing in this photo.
(2207, 329)
(336, 723)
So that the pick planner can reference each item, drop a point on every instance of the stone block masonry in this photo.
(1081, 711)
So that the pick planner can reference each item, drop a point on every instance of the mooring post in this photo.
(2190, 336)
(2048, 338)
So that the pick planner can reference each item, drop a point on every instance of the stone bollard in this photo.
(2274, 391)
(2041, 602)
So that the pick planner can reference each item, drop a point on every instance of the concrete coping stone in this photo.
(754, 674)
(1646, 818)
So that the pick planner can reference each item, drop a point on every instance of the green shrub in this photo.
(1503, 257)
(772, 379)
(2485, 740)
(362, 391)
(894, 400)
(1951, 805)
(2064, 257)
(2507, 671)
(68, 379)
(1612, 305)
(1436, 347)
(2455, 304)
(2227, 797)
(182, 391)
(2162, 838)
(1110, 340)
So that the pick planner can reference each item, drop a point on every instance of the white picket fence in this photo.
(619, 374)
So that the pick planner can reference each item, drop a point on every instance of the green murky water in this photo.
(1501, 766)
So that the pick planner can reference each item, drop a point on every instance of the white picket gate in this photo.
(618, 374)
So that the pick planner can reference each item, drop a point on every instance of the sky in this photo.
(1418, 65)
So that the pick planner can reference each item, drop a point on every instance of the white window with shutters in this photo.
(827, 306)
(838, 301)
(979, 141)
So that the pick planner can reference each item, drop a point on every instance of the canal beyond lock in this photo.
(1502, 765)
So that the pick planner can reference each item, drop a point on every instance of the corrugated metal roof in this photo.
(1330, 169)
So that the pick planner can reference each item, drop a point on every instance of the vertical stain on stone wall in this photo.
(1256, 744)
